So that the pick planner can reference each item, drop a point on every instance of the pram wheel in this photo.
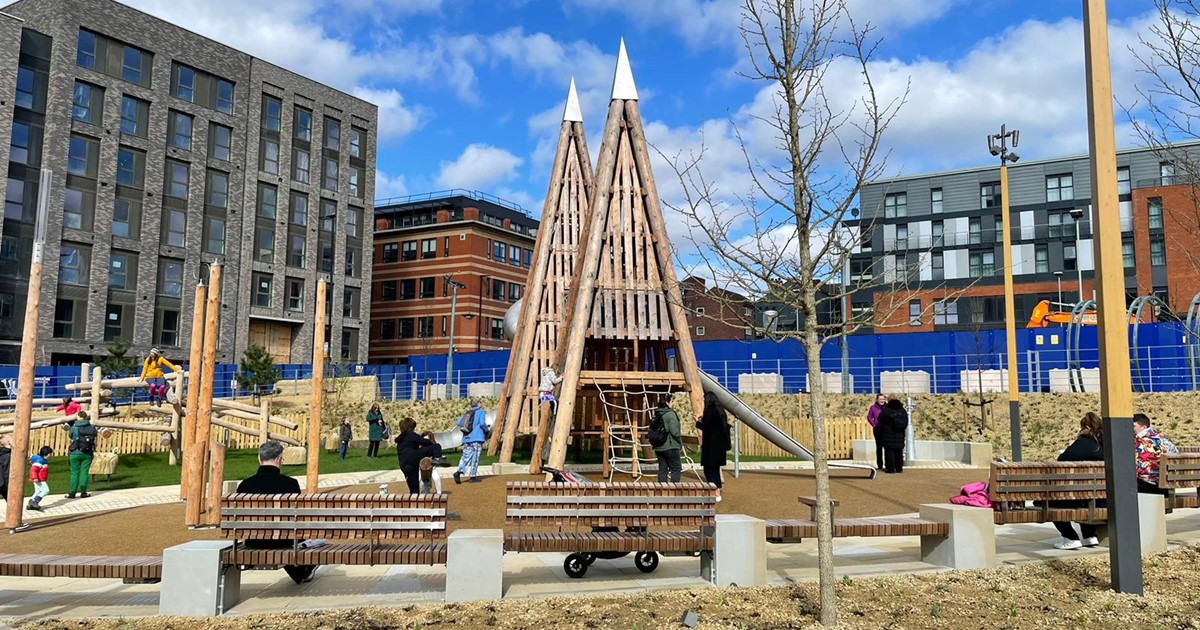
(590, 559)
(646, 561)
(576, 565)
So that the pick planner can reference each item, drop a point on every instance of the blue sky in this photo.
(471, 91)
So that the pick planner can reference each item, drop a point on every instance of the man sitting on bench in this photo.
(269, 480)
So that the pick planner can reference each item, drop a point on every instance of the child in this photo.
(69, 407)
(39, 474)
(550, 378)
(152, 374)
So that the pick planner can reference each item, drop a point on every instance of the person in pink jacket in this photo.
(873, 420)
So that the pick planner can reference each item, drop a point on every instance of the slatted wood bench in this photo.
(129, 569)
(1177, 472)
(361, 529)
(795, 530)
(610, 520)
(1013, 484)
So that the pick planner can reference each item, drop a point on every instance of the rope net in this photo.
(627, 423)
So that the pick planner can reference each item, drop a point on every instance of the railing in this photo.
(477, 195)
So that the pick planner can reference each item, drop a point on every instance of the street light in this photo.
(998, 147)
(847, 385)
(451, 390)
(1076, 215)
(1058, 275)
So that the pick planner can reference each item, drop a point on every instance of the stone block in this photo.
(229, 487)
(194, 582)
(509, 468)
(103, 464)
(979, 454)
(739, 555)
(972, 540)
(1152, 521)
(760, 383)
(832, 382)
(475, 565)
(904, 382)
(1087, 378)
(977, 381)
(484, 390)
(296, 455)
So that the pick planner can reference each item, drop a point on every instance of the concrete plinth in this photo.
(509, 468)
(1152, 522)
(475, 565)
(194, 583)
(739, 555)
(972, 540)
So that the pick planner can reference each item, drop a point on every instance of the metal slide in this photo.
(763, 427)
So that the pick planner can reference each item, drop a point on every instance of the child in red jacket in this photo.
(39, 474)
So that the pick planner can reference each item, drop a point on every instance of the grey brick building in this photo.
(169, 151)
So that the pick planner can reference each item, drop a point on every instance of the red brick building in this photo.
(715, 314)
(485, 244)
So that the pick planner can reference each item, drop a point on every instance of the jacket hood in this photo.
(894, 404)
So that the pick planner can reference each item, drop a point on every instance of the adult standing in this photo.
(270, 480)
(669, 466)
(474, 435)
(1087, 447)
(873, 420)
(345, 434)
(374, 430)
(83, 448)
(411, 448)
(893, 422)
(152, 375)
(714, 429)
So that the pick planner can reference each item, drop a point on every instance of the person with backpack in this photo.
(893, 423)
(83, 448)
(715, 439)
(5, 463)
(1087, 447)
(472, 424)
(665, 438)
(39, 476)
(374, 430)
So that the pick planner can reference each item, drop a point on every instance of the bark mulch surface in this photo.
(763, 494)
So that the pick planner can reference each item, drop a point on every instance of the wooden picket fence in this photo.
(840, 434)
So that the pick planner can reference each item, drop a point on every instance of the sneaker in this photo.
(458, 477)
(1091, 542)
(311, 576)
(440, 462)
(20, 528)
(71, 496)
(718, 498)
(475, 480)
(35, 507)
(1068, 544)
(84, 495)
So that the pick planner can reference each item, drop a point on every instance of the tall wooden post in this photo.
(193, 384)
(318, 389)
(94, 403)
(175, 456)
(204, 406)
(14, 515)
(264, 423)
(1116, 386)
(216, 483)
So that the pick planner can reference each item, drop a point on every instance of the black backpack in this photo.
(657, 433)
(86, 442)
(466, 423)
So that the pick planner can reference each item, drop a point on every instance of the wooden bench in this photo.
(795, 530)
(1012, 484)
(361, 529)
(1180, 471)
(609, 520)
(130, 569)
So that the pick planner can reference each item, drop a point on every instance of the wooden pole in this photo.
(176, 423)
(94, 403)
(264, 423)
(216, 481)
(202, 413)
(188, 432)
(318, 385)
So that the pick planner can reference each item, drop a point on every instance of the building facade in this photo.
(169, 151)
(930, 255)
(422, 244)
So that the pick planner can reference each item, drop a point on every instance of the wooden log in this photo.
(129, 382)
(539, 440)
(14, 513)
(264, 426)
(41, 424)
(43, 402)
(216, 481)
(276, 420)
(252, 431)
(318, 389)
(188, 432)
(131, 426)
(223, 403)
(97, 383)
(203, 409)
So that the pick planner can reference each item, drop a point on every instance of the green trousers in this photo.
(80, 465)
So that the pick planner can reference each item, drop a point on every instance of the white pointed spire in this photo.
(623, 86)
(572, 113)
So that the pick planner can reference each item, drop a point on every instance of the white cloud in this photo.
(387, 186)
(478, 167)
(395, 119)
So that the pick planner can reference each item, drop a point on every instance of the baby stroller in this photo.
(576, 564)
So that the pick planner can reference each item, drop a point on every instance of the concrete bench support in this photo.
(475, 565)
(194, 582)
(972, 540)
(739, 556)
(1152, 521)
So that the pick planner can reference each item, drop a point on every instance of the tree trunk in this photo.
(816, 401)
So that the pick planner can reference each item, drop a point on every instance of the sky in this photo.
(471, 92)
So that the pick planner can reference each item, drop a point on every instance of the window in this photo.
(302, 124)
(127, 217)
(391, 252)
(20, 145)
(272, 114)
(179, 130)
(329, 180)
(122, 270)
(114, 58)
(998, 221)
(408, 251)
(357, 141)
(914, 313)
(514, 292)
(167, 333)
(64, 319)
(1060, 188)
(935, 200)
(424, 327)
(387, 329)
(268, 197)
(14, 202)
(353, 261)
(1054, 222)
(183, 85)
(83, 156)
(408, 289)
(937, 264)
(1128, 258)
(497, 329)
(133, 63)
(135, 116)
(428, 248)
(901, 237)
(214, 235)
(224, 96)
(264, 243)
(1123, 187)
(989, 195)
(297, 243)
(220, 141)
(25, 87)
(356, 178)
(170, 277)
(131, 168)
(114, 322)
(201, 88)
(406, 328)
(73, 265)
(268, 156)
(426, 288)
(1154, 209)
(353, 218)
(938, 233)
(1069, 257)
(902, 271)
(174, 227)
(298, 209)
(79, 208)
(1041, 259)
(387, 291)
(88, 103)
(699, 331)
(1166, 172)
(514, 255)
(216, 190)
(349, 345)
(333, 133)
(498, 290)
(498, 251)
(262, 290)
(295, 295)
(982, 264)
(300, 165)
(895, 205)
(85, 55)
(177, 180)
(526, 262)
(945, 312)
(350, 303)
(1158, 251)
(975, 229)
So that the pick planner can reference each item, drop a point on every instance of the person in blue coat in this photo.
(474, 435)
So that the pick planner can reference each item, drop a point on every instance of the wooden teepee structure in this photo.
(564, 217)
(625, 314)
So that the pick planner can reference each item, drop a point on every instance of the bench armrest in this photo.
(812, 501)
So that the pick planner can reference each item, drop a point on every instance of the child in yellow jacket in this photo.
(152, 374)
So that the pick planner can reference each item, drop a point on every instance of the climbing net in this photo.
(627, 422)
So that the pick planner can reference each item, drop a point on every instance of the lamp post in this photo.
(1076, 215)
(847, 385)
(998, 146)
(1058, 276)
(451, 389)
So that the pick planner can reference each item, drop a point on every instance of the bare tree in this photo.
(807, 160)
